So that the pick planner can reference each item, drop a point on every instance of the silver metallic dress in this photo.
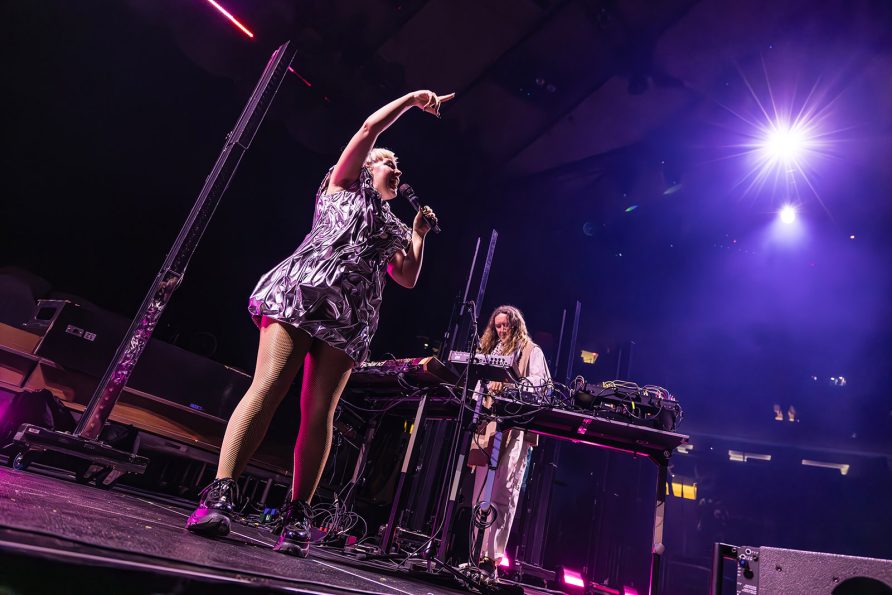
(331, 286)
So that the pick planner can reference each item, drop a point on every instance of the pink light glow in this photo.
(234, 20)
(629, 591)
(297, 74)
(614, 448)
(573, 578)
(505, 561)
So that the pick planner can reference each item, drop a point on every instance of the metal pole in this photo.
(657, 547)
(171, 274)
(486, 266)
(557, 356)
(570, 356)
(83, 442)
(453, 329)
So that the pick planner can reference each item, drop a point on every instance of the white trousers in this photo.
(505, 491)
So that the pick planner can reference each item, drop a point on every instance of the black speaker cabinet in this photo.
(86, 341)
(779, 571)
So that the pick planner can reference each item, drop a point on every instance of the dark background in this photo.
(603, 140)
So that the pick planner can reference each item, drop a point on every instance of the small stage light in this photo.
(788, 214)
(505, 561)
(572, 578)
(589, 357)
(843, 468)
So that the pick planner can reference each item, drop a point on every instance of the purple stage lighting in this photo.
(786, 134)
(783, 152)
(788, 214)
(786, 229)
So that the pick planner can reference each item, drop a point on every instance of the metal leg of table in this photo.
(390, 528)
(659, 516)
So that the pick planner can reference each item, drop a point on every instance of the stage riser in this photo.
(85, 341)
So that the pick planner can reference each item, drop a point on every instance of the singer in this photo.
(319, 309)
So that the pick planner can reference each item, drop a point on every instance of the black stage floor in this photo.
(59, 536)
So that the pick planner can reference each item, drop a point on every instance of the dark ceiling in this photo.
(600, 138)
(539, 84)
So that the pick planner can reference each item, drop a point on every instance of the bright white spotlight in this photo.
(785, 137)
(783, 152)
(784, 144)
(788, 214)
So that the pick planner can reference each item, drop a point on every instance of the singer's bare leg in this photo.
(326, 371)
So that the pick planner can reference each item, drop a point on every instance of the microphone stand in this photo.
(461, 443)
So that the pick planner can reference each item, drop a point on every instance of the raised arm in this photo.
(346, 170)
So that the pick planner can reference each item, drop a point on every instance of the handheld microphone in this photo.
(406, 192)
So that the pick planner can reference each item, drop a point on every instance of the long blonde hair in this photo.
(519, 335)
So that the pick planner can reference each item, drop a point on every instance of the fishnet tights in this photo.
(283, 349)
(279, 358)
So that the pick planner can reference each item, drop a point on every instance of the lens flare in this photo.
(783, 153)
(785, 137)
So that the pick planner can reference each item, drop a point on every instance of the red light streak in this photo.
(234, 20)
(297, 74)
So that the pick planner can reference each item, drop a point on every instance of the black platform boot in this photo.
(295, 537)
(488, 567)
(217, 505)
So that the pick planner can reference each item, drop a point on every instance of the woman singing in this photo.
(319, 308)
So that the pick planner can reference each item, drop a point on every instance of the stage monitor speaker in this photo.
(771, 570)
(86, 340)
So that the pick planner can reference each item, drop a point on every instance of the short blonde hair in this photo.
(379, 154)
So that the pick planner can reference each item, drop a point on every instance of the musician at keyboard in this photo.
(505, 334)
